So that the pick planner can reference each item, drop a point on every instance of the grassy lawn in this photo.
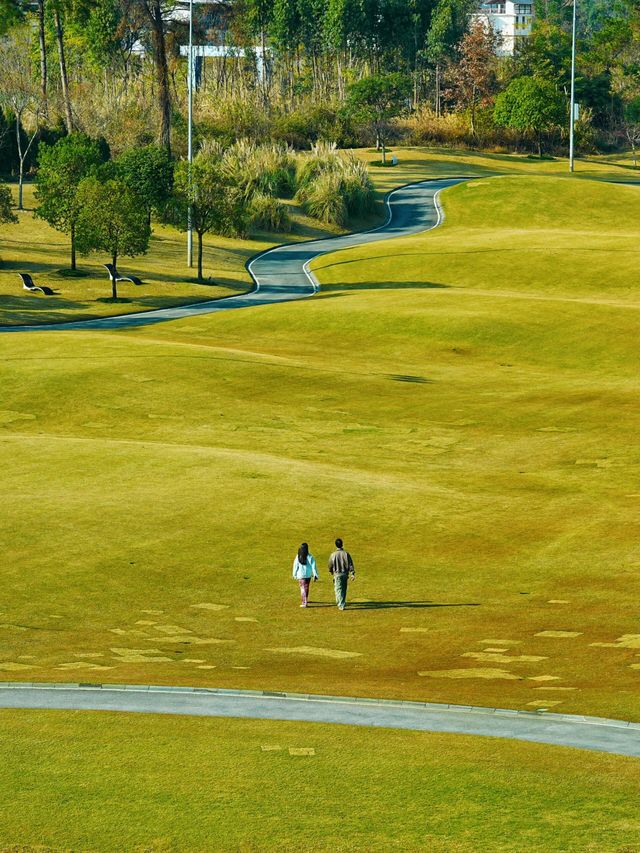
(32, 246)
(107, 783)
(156, 482)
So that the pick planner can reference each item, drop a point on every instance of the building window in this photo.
(523, 8)
(494, 8)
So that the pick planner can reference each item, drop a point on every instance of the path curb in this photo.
(318, 697)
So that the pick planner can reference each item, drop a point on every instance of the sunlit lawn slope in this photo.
(490, 501)
(109, 783)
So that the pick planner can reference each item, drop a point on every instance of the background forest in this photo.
(112, 69)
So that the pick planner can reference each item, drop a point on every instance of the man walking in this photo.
(340, 567)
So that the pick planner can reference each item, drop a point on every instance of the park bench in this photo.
(29, 284)
(114, 275)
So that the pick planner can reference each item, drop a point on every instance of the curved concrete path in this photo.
(591, 733)
(282, 274)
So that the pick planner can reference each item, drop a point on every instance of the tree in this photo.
(19, 92)
(217, 202)
(155, 14)
(474, 79)
(111, 220)
(376, 100)
(58, 22)
(148, 171)
(448, 24)
(631, 126)
(7, 215)
(61, 169)
(532, 106)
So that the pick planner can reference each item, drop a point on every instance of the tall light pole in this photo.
(190, 134)
(572, 110)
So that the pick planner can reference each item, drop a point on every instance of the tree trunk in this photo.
(199, 256)
(154, 11)
(264, 81)
(73, 246)
(43, 57)
(438, 96)
(20, 158)
(64, 79)
(540, 146)
(114, 280)
(384, 152)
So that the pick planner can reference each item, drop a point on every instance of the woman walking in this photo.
(304, 568)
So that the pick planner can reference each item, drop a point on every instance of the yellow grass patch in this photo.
(171, 629)
(305, 750)
(8, 417)
(315, 651)
(543, 678)
(12, 666)
(207, 606)
(94, 667)
(559, 634)
(557, 689)
(490, 657)
(627, 641)
(471, 673)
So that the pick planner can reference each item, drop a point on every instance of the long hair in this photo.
(303, 553)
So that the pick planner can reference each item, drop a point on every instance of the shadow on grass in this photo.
(382, 285)
(388, 605)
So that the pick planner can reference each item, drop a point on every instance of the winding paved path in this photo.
(590, 733)
(282, 274)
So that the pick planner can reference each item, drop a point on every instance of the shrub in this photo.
(268, 169)
(357, 187)
(324, 157)
(268, 214)
(332, 187)
(324, 199)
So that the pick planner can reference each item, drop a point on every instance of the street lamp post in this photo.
(190, 134)
(572, 109)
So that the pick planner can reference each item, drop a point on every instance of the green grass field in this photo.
(162, 785)
(461, 407)
(32, 246)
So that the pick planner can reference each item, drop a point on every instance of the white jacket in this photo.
(301, 572)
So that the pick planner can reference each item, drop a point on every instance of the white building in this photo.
(510, 19)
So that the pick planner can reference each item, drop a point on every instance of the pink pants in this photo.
(304, 589)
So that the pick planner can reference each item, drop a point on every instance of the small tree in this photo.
(7, 215)
(148, 171)
(376, 100)
(631, 126)
(217, 202)
(111, 220)
(530, 105)
(20, 93)
(61, 169)
(473, 76)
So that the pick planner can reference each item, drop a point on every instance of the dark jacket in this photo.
(340, 563)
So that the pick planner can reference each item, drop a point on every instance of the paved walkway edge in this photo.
(318, 697)
(595, 734)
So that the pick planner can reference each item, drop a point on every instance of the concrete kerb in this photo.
(322, 698)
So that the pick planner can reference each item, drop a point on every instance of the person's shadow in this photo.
(385, 605)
